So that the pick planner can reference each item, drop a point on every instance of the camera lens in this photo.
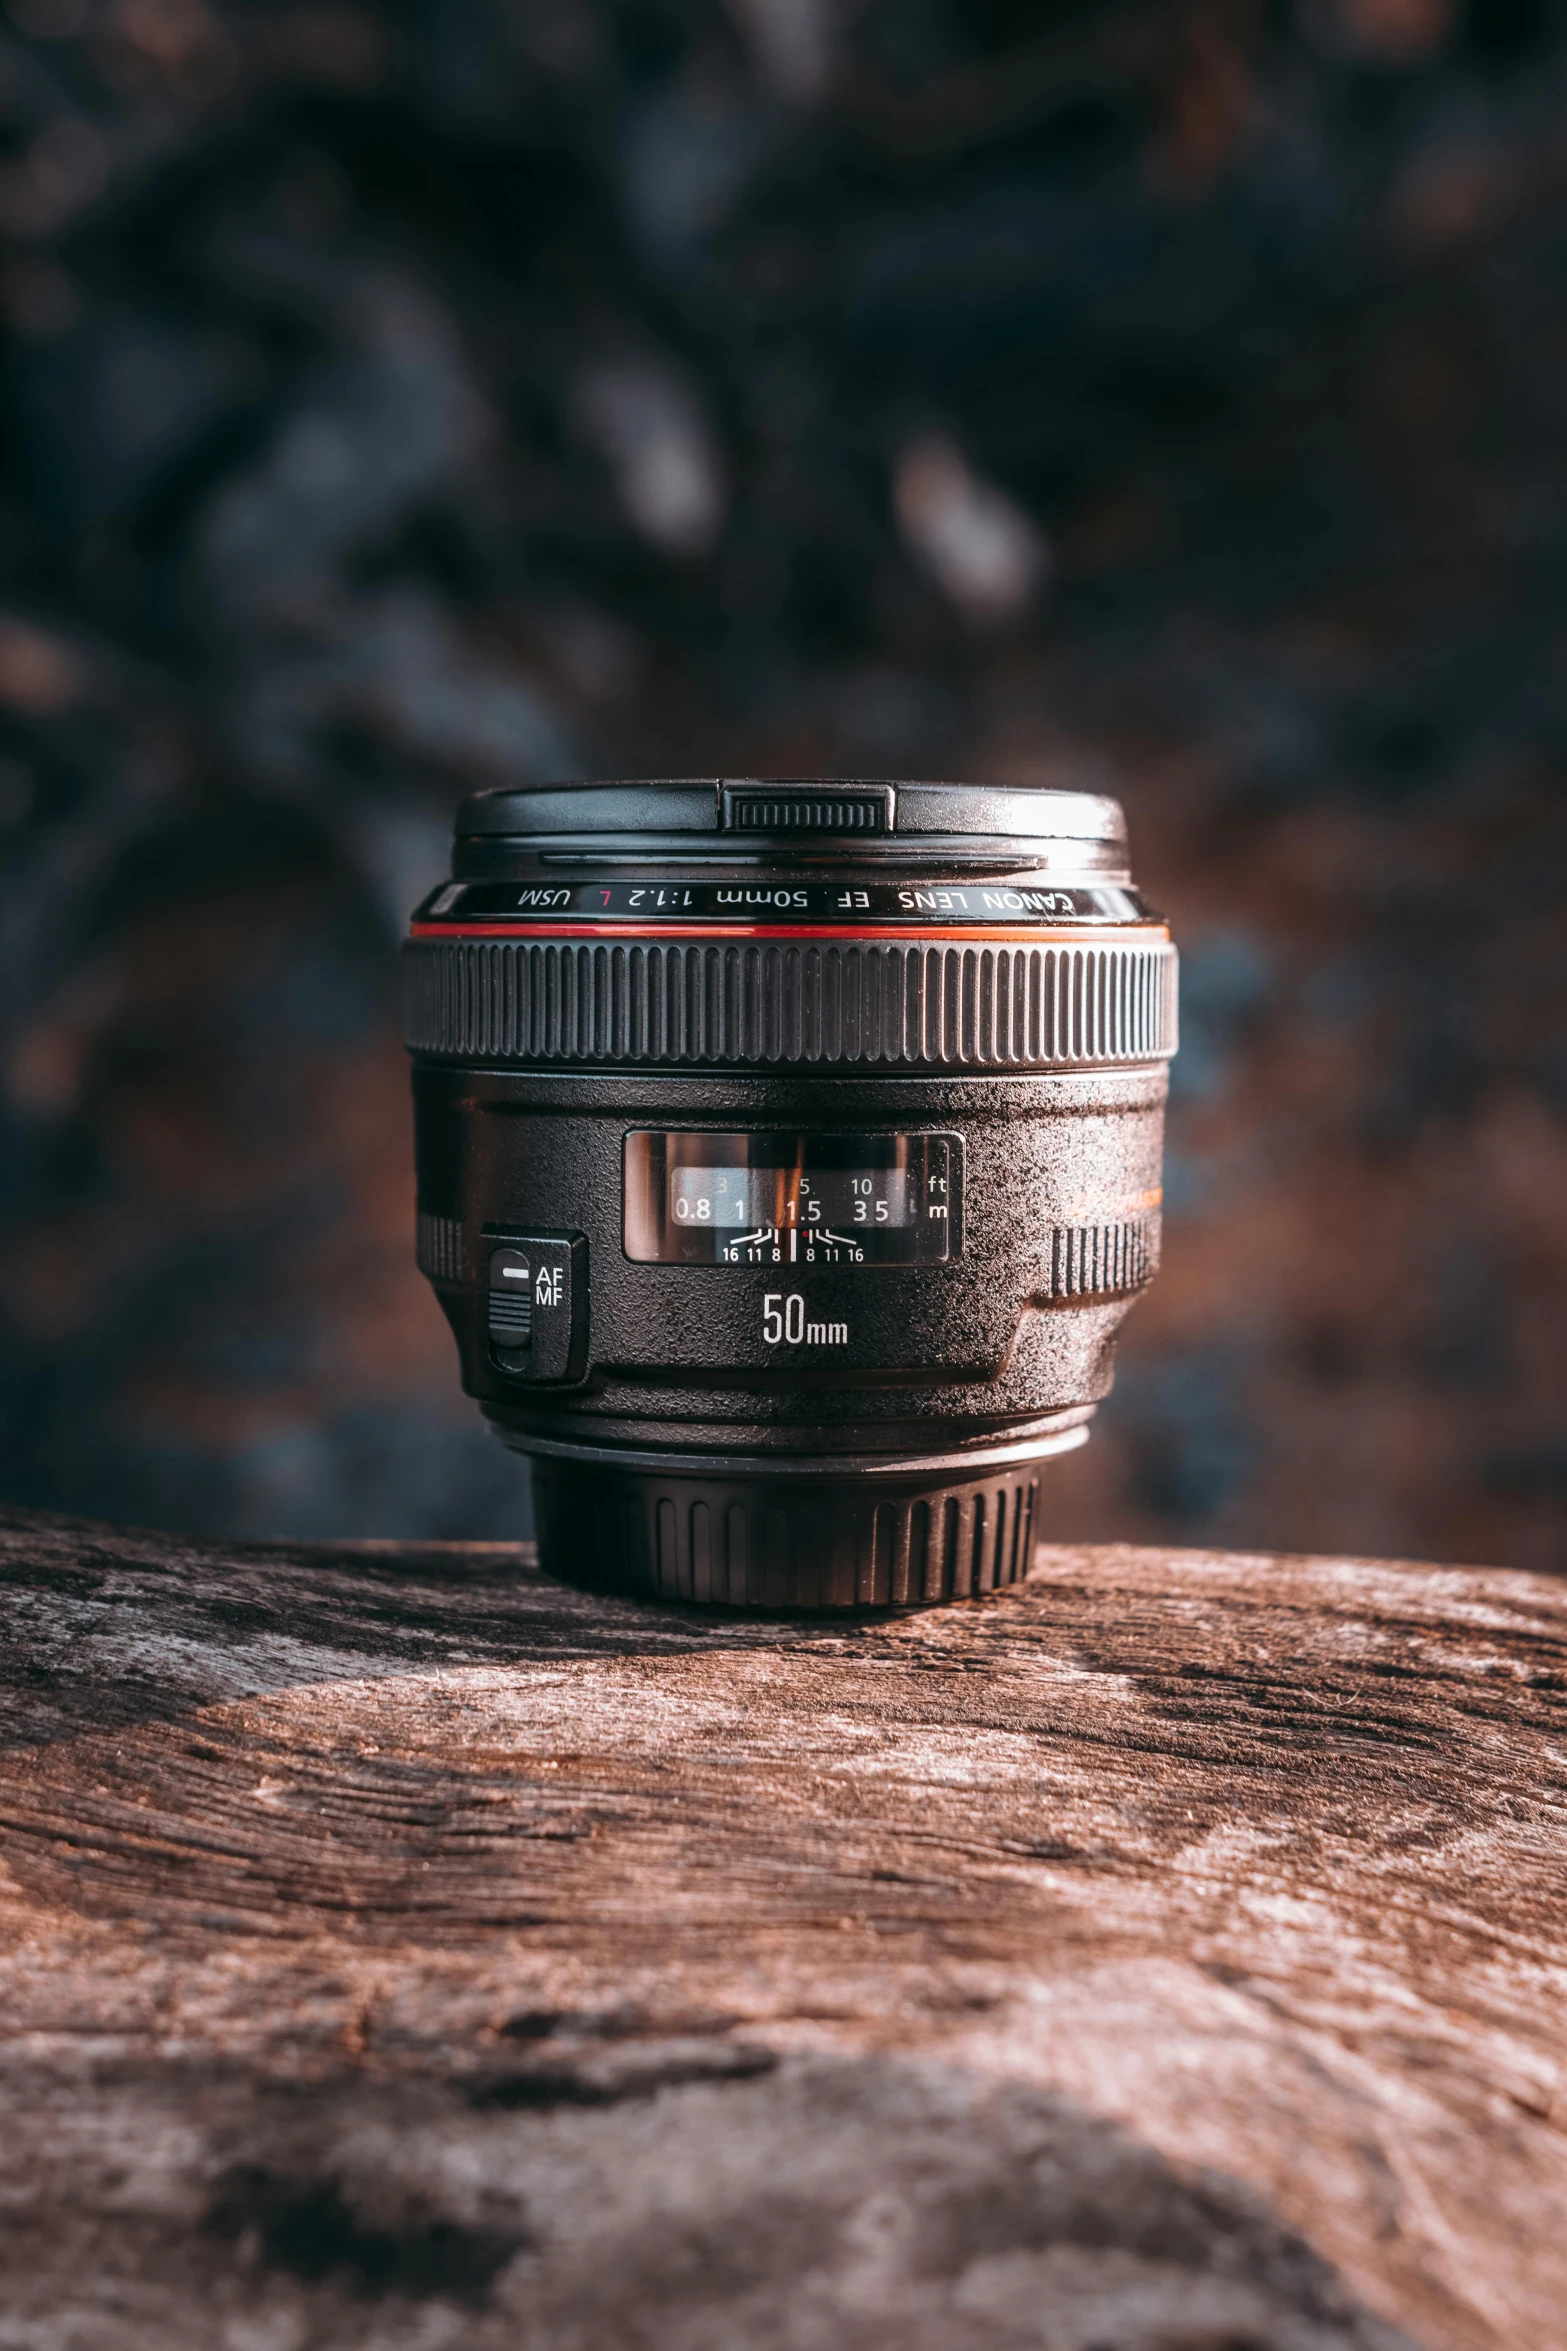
(789, 1154)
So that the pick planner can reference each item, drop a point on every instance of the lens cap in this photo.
(857, 809)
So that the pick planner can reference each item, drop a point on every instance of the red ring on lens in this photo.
(1112, 934)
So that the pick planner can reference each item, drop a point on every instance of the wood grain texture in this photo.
(401, 1951)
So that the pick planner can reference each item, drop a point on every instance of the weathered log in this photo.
(400, 1950)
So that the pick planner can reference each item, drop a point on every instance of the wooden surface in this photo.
(402, 1951)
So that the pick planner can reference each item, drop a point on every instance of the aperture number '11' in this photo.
(792, 1199)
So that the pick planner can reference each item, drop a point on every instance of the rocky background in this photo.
(1166, 397)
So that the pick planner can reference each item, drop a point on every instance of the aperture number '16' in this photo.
(789, 1199)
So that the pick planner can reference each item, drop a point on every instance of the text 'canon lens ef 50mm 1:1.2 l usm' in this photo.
(789, 1154)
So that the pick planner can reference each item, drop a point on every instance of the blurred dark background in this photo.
(1164, 397)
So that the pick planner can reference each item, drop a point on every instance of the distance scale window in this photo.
(791, 1199)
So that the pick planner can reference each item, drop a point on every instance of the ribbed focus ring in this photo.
(914, 1004)
(439, 1247)
(1088, 1261)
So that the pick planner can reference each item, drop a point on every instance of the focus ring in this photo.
(438, 1246)
(1100, 1260)
(896, 1004)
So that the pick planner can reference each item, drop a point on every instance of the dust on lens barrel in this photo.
(789, 1156)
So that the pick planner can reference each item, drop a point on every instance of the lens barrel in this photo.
(789, 1153)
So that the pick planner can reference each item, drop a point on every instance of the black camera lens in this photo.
(789, 1154)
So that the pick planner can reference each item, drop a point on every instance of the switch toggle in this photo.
(511, 1298)
(537, 1306)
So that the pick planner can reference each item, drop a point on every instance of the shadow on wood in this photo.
(402, 1950)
